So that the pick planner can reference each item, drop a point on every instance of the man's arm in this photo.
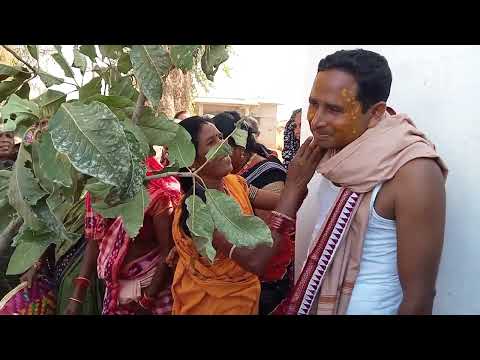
(420, 215)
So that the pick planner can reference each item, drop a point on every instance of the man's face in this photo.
(6, 144)
(334, 114)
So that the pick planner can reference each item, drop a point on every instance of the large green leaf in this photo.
(123, 87)
(51, 222)
(181, 151)
(212, 58)
(89, 50)
(201, 226)
(239, 229)
(158, 130)
(112, 75)
(31, 245)
(24, 190)
(97, 189)
(60, 60)
(4, 182)
(94, 87)
(240, 137)
(9, 126)
(49, 80)
(112, 101)
(23, 180)
(139, 135)
(124, 64)
(60, 202)
(8, 71)
(183, 56)
(33, 51)
(53, 164)
(93, 139)
(24, 91)
(79, 60)
(220, 150)
(8, 87)
(137, 169)
(6, 211)
(49, 102)
(131, 212)
(151, 64)
(43, 178)
(111, 51)
(18, 109)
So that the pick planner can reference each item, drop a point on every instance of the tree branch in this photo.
(19, 58)
(173, 173)
(139, 108)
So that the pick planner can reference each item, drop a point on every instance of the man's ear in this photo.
(376, 113)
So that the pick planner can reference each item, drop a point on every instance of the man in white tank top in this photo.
(367, 149)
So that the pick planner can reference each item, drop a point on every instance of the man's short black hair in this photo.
(370, 70)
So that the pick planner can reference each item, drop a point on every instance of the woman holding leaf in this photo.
(135, 271)
(222, 248)
(264, 171)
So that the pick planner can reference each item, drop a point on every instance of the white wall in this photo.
(438, 86)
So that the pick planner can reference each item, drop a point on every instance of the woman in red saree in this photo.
(136, 274)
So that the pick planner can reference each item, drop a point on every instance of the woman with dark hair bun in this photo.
(230, 284)
(263, 171)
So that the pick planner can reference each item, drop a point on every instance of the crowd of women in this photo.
(160, 271)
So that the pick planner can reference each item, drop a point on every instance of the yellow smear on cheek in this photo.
(353, 108)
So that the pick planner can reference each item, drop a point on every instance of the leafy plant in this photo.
(98, 143)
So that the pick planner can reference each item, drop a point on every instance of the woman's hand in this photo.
(73, 308)
(302, 167)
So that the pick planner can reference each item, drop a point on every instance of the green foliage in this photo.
(159, 130)
(93, 139)
(60, 60)
(92, 88)
(92, 144)
(201, 226)
(18, 111)
(131, 212)
(33, 51)
(181, 151)
(183, 56)
(212, 58)
(124, 64)
(111, 51)
(49, 80)
(79, 60)
(151, 65)
(88, 50)
(220, 150)
(49, 102)
(240, 230)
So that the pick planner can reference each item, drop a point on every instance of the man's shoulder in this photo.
(418, 174)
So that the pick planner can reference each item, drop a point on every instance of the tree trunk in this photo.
(177, 93)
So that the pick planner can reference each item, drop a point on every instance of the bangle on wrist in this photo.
(231, 251)
(76, 300)
(81, 282)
